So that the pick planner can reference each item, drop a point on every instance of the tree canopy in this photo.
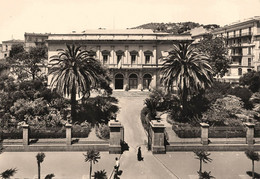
(215, 48)
(188, 70)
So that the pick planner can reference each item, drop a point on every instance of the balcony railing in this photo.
(239, 35)
(236, 54)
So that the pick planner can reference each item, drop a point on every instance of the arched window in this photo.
(147, 78)
(119, 81)
(133, 81)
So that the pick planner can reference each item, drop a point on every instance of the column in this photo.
(250, 133)
(68, 133)
(99, 54)
(126, 56)
(204, 133)
(141, 54)
(116, 135)
(140, 80)
(113, 55)
(157, 146)
(154, 60)
(25, 134)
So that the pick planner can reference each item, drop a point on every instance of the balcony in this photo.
(236, 54)
(233, 36)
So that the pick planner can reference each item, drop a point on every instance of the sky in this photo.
(64, 16)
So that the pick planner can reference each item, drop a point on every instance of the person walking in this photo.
(139, 155)
(117, 165)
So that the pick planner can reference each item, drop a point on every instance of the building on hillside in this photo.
(243, 42)
(34, 39)
(198, 34)
(132, 55)
(7, 45)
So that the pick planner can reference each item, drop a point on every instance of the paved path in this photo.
(135, 136)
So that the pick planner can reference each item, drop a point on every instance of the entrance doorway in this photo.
(119, 81)
(146, 81)
(133, 81)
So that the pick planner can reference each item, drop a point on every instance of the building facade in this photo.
(6, 47)
(242, 40)
(132, 55)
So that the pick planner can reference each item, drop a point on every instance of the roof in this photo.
(127, 34)
(237, 23)
(119, 31)
(37, 34)
(13, 41)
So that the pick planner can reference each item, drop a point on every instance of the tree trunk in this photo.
(90, 170)
(200, 168)
(39, 171)
(73, 102)
(253, 169)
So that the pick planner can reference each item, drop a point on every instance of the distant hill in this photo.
(174, 28)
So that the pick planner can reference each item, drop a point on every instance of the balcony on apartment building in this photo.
(237, 54)
(240, 45)
(245, 34)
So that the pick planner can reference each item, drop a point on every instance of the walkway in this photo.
(135, 136)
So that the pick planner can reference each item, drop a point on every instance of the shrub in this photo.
(103, 131)
(223, 112)
(252, 80)
(187, 131)
(242, 93)
(145, 118)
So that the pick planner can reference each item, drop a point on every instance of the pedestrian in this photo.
(139, 155)
(117, 165)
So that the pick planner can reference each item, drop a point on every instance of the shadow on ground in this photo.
(249, 173)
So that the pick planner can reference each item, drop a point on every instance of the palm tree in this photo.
(206, 175)
(76, 72)
(91, 156)
(102, 174)
(188, 69)
(203, 156)
(254, 156)
(40, 157)
(8, 173)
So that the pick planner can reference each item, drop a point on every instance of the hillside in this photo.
(175, 28)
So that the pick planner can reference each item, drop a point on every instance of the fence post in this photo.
(250, 133)
(204, 133)
(116, 136)
(25, 134)
(68, 133)
(157, 137)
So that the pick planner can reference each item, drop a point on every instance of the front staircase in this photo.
(117, 93)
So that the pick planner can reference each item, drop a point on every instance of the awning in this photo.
(148, 53)
(134, 52)
(120, 52)
(105, 52)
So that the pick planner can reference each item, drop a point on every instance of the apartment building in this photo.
(34, 39)
(6, 47)
(243, 42)
(132, 55)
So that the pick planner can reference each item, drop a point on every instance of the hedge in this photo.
(35, 133)
(187, 132)
(214, 132)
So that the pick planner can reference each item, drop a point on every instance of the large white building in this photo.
(243, 42)
(132, 55)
